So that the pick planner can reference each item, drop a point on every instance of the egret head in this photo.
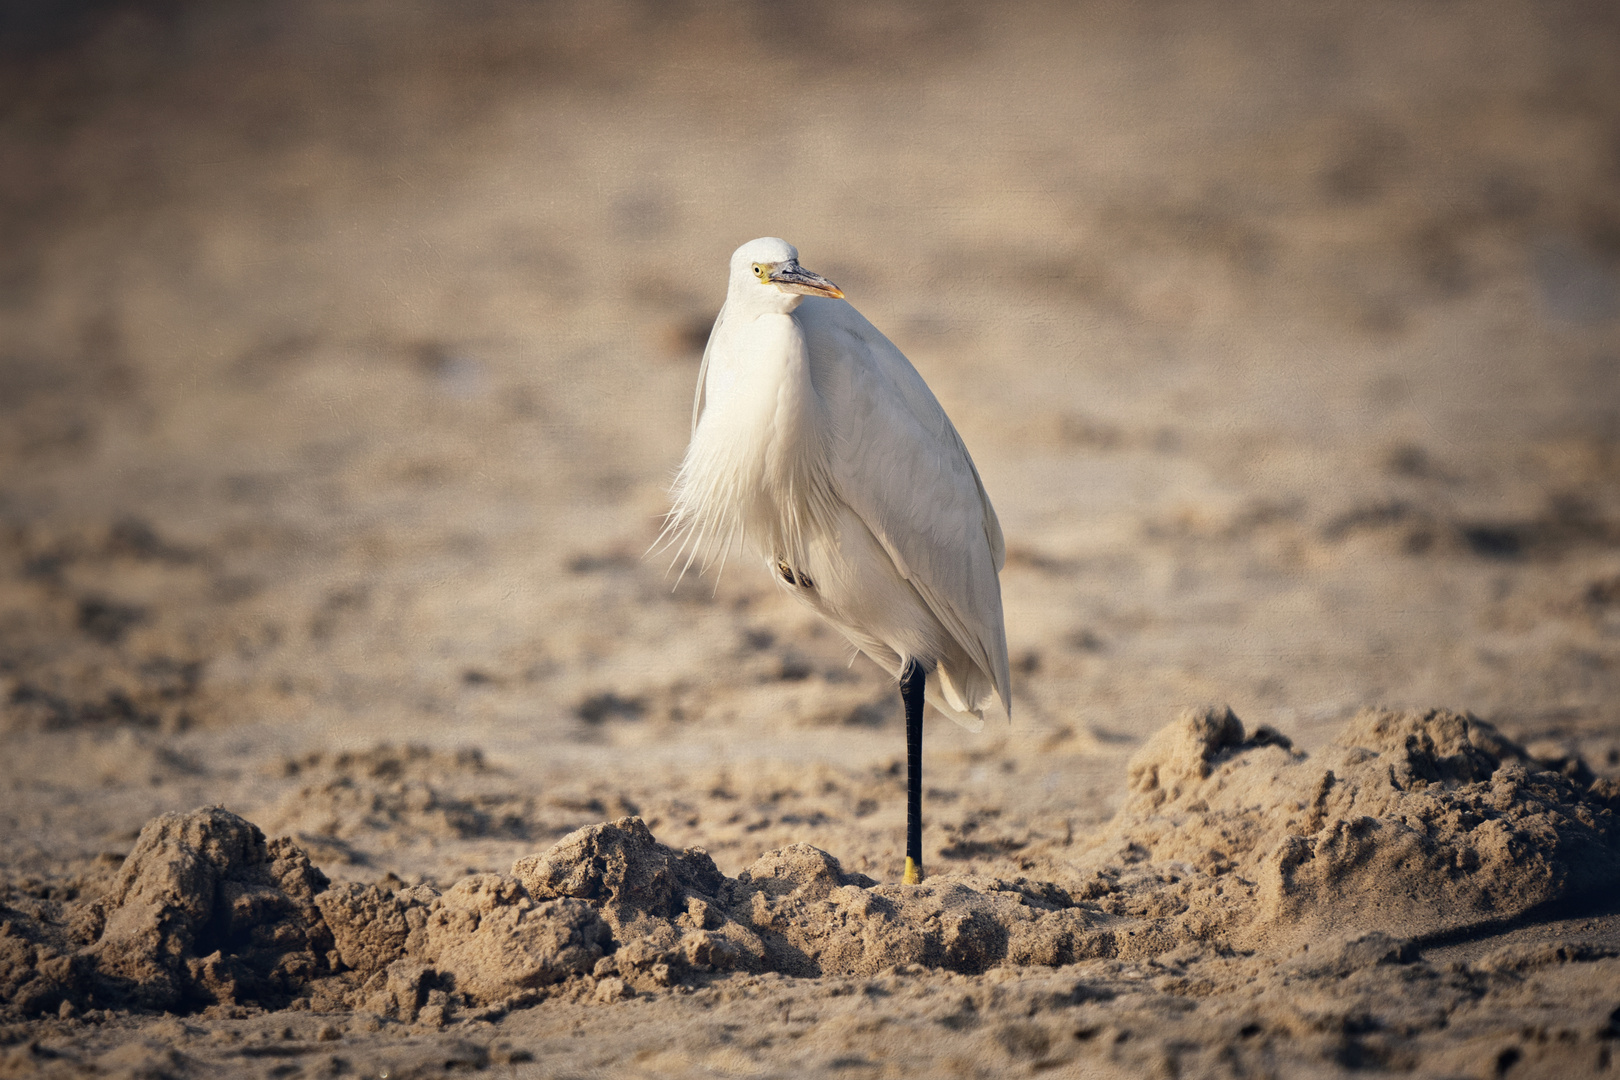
(766, 273)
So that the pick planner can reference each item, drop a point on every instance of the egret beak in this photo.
(794, 278)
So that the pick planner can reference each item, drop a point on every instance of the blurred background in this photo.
(347, 351)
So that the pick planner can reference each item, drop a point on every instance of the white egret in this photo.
(816, 444)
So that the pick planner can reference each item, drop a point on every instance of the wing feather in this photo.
(898, 462)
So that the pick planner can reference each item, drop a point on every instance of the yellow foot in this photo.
(913, 873)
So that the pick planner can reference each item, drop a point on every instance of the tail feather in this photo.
(960, 691)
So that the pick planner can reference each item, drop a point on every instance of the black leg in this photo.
(912, 681)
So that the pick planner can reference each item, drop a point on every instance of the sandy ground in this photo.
(346, 354)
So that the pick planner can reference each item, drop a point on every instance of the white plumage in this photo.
(817, 445)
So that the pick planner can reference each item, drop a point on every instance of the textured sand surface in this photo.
(346, 353)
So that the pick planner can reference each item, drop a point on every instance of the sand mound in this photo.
(793, 911)
(1430, 822)
(485, 940)
(207, 910)
(612, 902)
(1422, 823)
(204, 911)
